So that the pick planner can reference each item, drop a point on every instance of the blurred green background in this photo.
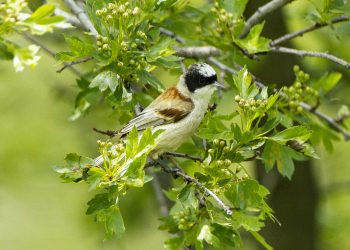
(37, 211)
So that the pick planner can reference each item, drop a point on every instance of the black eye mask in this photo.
(195, 79)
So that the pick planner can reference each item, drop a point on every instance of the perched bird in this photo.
(178, 111)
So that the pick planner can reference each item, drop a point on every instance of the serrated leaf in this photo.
(147, 77)
(100, 201)
(248, 222)
(261, 240)
(253, 42)
(298, 133)
(282, 156)
(105, 80)
(175, 243)
(112, 220)
(206, 234)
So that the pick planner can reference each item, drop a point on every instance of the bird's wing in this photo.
(169, 107)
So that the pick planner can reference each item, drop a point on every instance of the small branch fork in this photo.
(261, 13)
(301, 32)
(175, 171)
(67, 65)
(81, 15)
(186, 156)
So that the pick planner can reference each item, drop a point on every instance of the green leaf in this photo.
(105, 80)
(261, 240)
(327, 82)
(5, 53)
(242, 82)
(43, 11)
(212, 127)
(100, 201)
(248, 222)
(74, 167)
(112, 220)
(188, 198)
(298, 133)
(42, 21)
(78, 46)
(275, 153)
(255, 43)
(147, 77)
(206, 234)
(175, 243)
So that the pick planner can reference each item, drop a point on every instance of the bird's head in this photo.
(201, 77)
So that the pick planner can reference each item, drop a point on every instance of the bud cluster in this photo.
(299, 92)
(10, 10)
(117, 11)
(250, 104)
(224, 18)
(103, 44)
(185, 219)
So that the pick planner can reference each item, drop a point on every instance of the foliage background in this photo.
(38, 212)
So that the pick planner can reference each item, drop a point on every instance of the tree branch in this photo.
(301, 32)
(169, 33)
(261, 12)
(179, 172)
(69, 18)
(48, 51)
(186, 156)
(66, 65)
(81, 15)
(197, 51)
(304, 53)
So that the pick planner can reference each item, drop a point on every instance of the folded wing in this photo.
(169, 107)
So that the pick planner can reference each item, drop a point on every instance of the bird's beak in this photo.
(219, 85)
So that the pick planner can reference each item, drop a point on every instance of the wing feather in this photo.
(169, 107)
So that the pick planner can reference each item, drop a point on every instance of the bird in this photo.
(178, 111)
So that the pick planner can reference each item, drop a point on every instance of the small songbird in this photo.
(179, 110)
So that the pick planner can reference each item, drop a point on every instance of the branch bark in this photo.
(304, 53)
(261, 13)
(48, 51)
(81, 15)
(67, 65)
(179, 172)
(301, 32)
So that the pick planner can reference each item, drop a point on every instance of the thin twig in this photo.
(81, 15)
(301, 32)
(261, 12)
(186, 156)
(48, 51)
(179, 172)
(331, 121)
(304, 53)
(110, 133)
(66, 65)
(169, 33)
